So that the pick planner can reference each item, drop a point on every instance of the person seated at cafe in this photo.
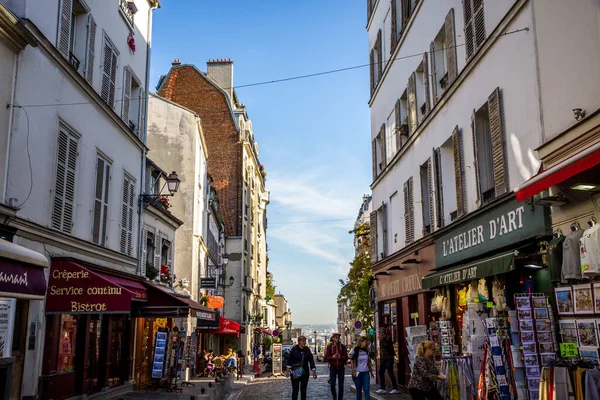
(230, 359)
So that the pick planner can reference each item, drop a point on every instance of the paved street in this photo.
(281, 388)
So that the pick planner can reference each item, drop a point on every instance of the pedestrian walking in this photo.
(362, 369)
(336, 355)
(299, 361)
(425, 374)
(386, 362)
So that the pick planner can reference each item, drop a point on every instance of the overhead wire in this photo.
(305, 76)
(310, 222)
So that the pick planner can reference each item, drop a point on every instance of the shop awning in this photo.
(562, 171)
(74, 289)
(496, 265)
(137, 288)
(263, 330)
(21, 272)
(162, 304)
(226, 327)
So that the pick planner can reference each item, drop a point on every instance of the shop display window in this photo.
(68, 337)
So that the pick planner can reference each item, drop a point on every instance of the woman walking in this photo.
(298, 363)
(362, 369)
(425, 374)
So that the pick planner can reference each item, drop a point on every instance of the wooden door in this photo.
(143, 352)
(18, 347)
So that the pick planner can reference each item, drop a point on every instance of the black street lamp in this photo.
(315, 333)
(172, 184)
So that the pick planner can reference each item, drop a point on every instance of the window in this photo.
(474, 26)
(443, 58)
(427, 197)
(133, 101)
(376, 63)
(445, 183)
(489, 150)
(395, 219)
(148, 248)
(385, 39)
(409, 215)
(109, 72)
(370, 8)
(64, 188)
(413, 101)
(390, 134)
(382, 235)
(373, 236)
(459, 174)
(397, 23)
(68, 343)
(77, 36)
(422, 88)
(127, 215)
(101, 201)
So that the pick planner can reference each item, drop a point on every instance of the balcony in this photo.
(128, 9)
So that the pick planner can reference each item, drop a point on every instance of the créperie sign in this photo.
(502, 226)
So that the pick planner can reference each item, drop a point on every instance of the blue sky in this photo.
(313, 134)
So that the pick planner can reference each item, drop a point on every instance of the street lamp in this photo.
(172, 184)
(315, 333)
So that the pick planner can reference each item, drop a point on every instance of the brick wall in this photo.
(187, 87)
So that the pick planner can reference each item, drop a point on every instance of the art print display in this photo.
(543, 325)
(529, 348)
(568, 331)
(544, 337)
(530, 359)
(546, 347)
(538, 302)
(159, 355)
(527, 336)
(548, 358)
(583, 300)
(597, 298)
(588, 353)
(523, 303)
(524, 314)
(540, 313)
(564, 300)
(526, 324)
(586, 330)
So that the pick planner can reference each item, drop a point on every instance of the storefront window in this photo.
(116, 345)
(66, 351)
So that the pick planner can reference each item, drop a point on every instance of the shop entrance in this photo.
(18, 347)
(94, 355)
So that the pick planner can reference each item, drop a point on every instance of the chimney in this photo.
(221, 72)
(176, 62)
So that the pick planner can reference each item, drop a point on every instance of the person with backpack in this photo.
(362, 369)
(336, 355)
(299, 361)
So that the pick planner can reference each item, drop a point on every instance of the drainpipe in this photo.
(10, 125)
(144, 138)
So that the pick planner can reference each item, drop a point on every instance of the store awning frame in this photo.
(162, 304)
(496, 265)
(560, 172)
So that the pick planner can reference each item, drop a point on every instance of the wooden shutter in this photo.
(426, 83)
(384, 228)
(130, 211)
(372, 69)
(127, 216)
(478, 23)
(393, 34)
(450, 36)
(498, 142)
(64, 28)
(126, 105)
(91, 50)
(405, 11)
(64, 193)
(412, 103)
(157, 248)
(379, 57)
(430, 194)
(398, 122)
(369, 10)
(434, 78)
(109, 74)
(373, 236)
(459, 172)
(475, 161)
(98, 201)
(374, 157)
(409, 215)
(439, 191)
(142, 114)
(469, 33)
(383, 146)
(144, 259)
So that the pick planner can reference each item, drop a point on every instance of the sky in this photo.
(313, 134)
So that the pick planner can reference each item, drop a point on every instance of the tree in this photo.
(270, 287)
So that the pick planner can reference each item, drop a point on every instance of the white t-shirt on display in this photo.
(590, 252)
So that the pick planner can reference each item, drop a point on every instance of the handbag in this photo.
(298, 369)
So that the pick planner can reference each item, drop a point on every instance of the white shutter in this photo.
(144, 258)
(125, 106)
(105, 204)
(124, 216)
(142, 114)
(157, 248)
(65, 14)
(109, 73)
(130, 216)
(91, 50)
(64, 192)
(170, 256)
(98, 201)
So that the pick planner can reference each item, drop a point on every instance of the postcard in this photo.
(586, 330)
(564, 300)
(540, 313)
(583, 300)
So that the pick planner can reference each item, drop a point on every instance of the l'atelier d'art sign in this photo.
(509, 223)
(74, 289)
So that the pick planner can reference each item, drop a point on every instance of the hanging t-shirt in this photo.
(555, 258)
(571, 265)
(592, 384)
(590, 254)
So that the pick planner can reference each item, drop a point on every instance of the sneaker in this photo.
(381, 391)
(394, 391)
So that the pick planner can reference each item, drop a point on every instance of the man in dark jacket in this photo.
(386, 363)
(336, 355)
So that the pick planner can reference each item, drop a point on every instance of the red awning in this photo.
(137, 288)
(265, 331)
(74, 289)
(162, 304)
(566, 169)
(226, 327)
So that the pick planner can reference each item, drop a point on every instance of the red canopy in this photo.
(265, 331)
(226, 327)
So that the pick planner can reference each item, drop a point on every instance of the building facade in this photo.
(238, 177)
(283, 319)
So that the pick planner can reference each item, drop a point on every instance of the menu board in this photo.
(160, 350)
(277, 364)
(7, 321)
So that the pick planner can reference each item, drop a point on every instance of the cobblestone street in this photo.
(280, 388)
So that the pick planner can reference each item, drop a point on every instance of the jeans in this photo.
(300, 385)
(337, 373)
(363, 384)
(231, 362)
(387, 365)
(433, 394)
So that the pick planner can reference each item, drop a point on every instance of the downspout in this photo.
(10, 125)
(144, 139)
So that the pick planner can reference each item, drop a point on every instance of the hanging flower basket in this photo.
(165, 274)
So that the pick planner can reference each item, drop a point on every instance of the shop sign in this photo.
(208, 283)
(504, 225)
(215, 302)
(205, 316)
(73, 289)
(19, 278)
(7, 323)
(569, 350)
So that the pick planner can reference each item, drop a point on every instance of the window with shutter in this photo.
(394, 28)
(412, 103)
(469, 32)
(373, 236)
(125, 104)
(65, 15)
(439, 191)
(374, 157)
(144, 258)
(379, 46)
(64, 187)
(127, 210)
(426, 203)
(474, 26)
(132, 104)
(398, 124)
(382, 148)
(409, 215)
(459, 172)
(372, 69)
(450, 46)
(427, 97)
(109, 72)
(498, 139)
(99, 234)
(141, 114)
(434, 81)
(383, 215)
(157, 249)
(91, 50)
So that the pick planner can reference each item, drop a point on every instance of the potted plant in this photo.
(405, 125)
(163, 201)
(151, 272)
(165, 274)
(204, 300)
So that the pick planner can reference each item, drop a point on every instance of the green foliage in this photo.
(362, 230)
(151, 272)
(270, 287)
(267, 342)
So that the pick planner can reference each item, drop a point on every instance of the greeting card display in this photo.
(583, 300)
(564, 300)
(568, 331)
(596, 298)
(159, 354)
(586, 330)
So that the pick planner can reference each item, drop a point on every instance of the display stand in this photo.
(415, 335)
(277, 357)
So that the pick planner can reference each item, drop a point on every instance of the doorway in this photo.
(18, 347)
(94, 355)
